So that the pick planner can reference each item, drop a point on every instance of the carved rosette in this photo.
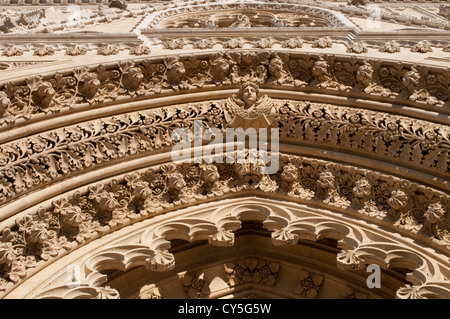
(252, 270)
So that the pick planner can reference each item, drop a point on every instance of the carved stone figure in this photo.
(422, 47)
(323, 43)
(132, 78)
(366, 76)
(242, 21)
(4, 103)
(44, 51)
(13, 51)
(220, 68)
(44, 94)
(140, 50)
(249, 108)
(89, 85)
(175, 71)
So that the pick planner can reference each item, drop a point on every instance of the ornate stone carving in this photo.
(390, 47)
(42, 93)
(292, 43)
(108, 50)
(249, 109)
(75, 50)
(173, 44)
(308, 285)
(422, 47)
(12, 51)
(357, 48)
(418, 142)
(323, 73)
(150, 292)
(140, 50)
(252, 270)
(323, 43)
(4, 103)
(151, 249)
(132, 77)
(236, 68)
(264, 43)
(233, 44)
(89, 84)
(44, 51)
(194, 285)
(414, 84)
(203, 44)
(368, 78)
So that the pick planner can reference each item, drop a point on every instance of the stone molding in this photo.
(357, 241)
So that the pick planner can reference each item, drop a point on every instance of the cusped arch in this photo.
(133, 248)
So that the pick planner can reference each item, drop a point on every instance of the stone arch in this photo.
(129, 249)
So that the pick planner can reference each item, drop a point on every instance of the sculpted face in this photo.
(249, 95)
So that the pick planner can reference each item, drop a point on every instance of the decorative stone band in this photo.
(42, 159)
(323, 8)
(360, 244)
(36, 239)
(334, 19)
(417, 86)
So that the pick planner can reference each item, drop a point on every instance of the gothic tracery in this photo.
(92, 93)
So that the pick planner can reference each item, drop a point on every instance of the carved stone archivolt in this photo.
(39, 238)
(40, 159)
(85, 175)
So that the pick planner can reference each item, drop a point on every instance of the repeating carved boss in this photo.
(416, 84)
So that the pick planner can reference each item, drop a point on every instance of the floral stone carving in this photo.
(194, 285)
(252, 270)
(308, 285)
(412, 83)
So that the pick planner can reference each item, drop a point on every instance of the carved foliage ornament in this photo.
(40, 159)
(252, 270)
(61, 92)
(40, 237)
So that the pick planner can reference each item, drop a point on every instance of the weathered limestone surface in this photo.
(93, 95)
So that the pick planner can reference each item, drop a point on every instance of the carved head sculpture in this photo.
(89, 85)
(175, 181)
(411, 80)
(249, 94)
(321, 70)
(276, 67)
(175, 71)
(4, 103)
